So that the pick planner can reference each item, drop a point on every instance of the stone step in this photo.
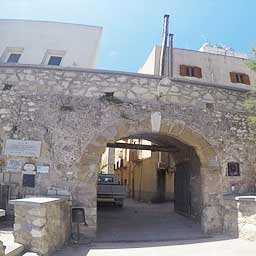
(2, 212)
(12, 248)
(30, 254)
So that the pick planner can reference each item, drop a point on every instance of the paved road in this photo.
(119, 231)
(141, 222)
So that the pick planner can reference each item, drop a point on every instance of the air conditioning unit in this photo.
(162, 166)
(163, 162)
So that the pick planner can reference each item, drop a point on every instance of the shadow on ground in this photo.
(141, 222)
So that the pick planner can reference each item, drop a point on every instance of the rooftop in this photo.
(222, 50)
(52, 22)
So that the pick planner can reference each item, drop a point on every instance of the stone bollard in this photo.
(246, 206)
(2, 248)
(42, 224)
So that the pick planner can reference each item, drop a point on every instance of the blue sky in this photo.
(133, 27)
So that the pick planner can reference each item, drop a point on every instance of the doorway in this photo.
(161, 185)
(182, 201)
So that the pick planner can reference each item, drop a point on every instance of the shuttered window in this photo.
(190, 71)
(239, 78)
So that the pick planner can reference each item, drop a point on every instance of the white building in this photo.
(108, 161)
(49, 43)
(212, 64)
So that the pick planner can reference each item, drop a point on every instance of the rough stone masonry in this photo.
(42, 224)
(69, 112)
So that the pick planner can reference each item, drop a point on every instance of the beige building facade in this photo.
(107, 165)
(216, 65)
(148, 175)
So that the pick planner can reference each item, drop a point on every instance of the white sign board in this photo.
(14, 165)
(27, 148)
(42, 169)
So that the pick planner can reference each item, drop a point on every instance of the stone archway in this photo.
(211, 219)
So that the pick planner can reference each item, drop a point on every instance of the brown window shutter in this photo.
(198, 72)
(183, 70)
(246, 79)
(233, 77)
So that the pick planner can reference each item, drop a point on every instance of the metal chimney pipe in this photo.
(164, 44)
(171, 54)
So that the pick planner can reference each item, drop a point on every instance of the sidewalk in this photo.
(204, 247)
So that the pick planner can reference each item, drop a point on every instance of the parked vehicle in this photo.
(110, 190)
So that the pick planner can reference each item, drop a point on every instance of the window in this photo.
(13, 58)
(239, 78)
(190, 71)
(11, 55)
(105, 179)
(102, 179)
(233, 169)
(53, 57)
(54, 60)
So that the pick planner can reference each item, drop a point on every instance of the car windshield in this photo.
(105, 179)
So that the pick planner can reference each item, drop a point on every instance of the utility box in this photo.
(5, 191)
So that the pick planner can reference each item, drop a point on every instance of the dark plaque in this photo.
(28, 180)
(233, 169)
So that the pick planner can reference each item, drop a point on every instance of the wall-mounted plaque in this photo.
(233, 169)
(29, 167)
(13, 165)
(28, 180)
(42, 169)
(26, 148)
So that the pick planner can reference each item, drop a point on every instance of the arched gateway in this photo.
(194, 157)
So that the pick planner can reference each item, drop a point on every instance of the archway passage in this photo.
(162, 176)
(171, 133)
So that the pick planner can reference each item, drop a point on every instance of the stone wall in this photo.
(68, 111)
(42, 227)
(230, 219)
(2, 249)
